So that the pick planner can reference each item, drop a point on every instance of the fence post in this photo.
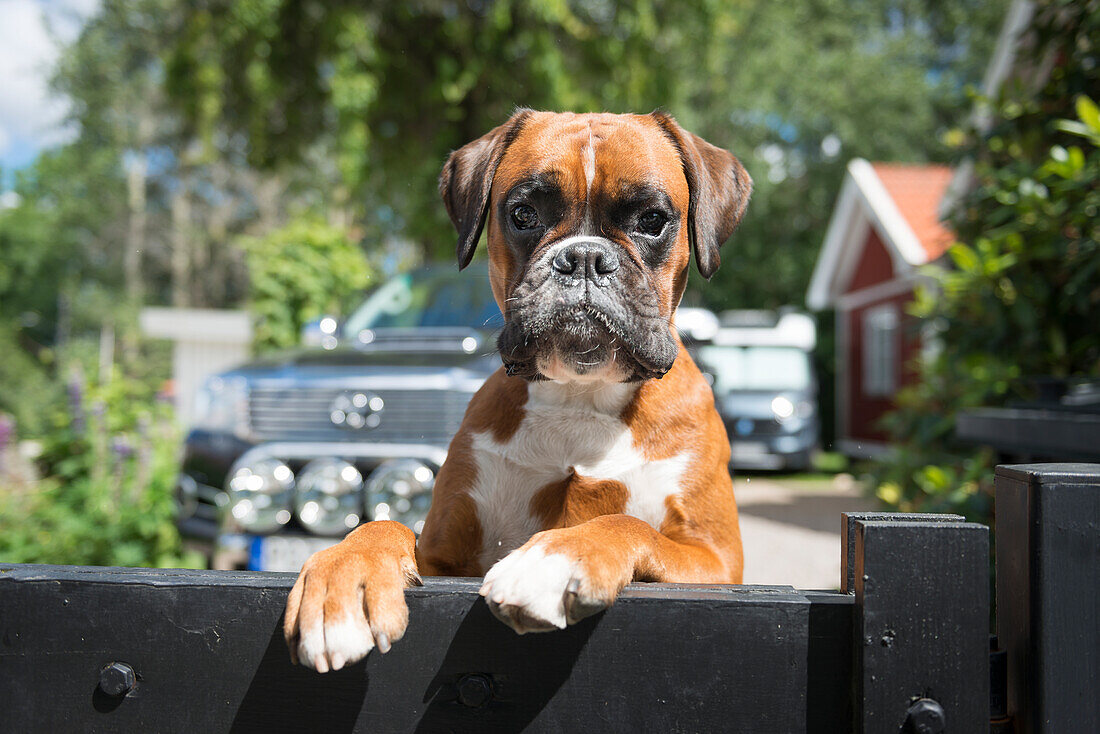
(1048, 594)
(921, 633)
(848, 522)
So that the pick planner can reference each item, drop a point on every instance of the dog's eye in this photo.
(652, 223)
(525, 217)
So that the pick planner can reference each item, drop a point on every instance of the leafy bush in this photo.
(1023, 300)
(298, 273)
(106, 492)
(28, 392)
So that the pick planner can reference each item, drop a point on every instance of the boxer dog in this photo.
(594, 456)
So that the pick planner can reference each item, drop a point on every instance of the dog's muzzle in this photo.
(586, 308)
(585, 258)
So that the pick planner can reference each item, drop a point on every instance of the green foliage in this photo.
(385, 90)
(59, 238)
(1022, 299)
(298, 273)
(28, 392)
(106, 494)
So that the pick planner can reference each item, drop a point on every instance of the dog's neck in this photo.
(610, 398)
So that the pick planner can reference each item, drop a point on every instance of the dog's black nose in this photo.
(594, 258)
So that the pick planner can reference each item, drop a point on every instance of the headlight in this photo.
(260, 495)
(400, 490)
(782, 407)
(329, 496)
(187, 495)
(221, 404)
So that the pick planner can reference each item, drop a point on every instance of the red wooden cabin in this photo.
(885, 226)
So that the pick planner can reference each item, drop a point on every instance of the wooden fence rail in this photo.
(904, 644)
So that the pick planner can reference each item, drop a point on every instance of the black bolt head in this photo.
(474, 690)
(116, 679)
(925, 716)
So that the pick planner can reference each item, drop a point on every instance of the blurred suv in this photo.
(761, 370)
(289, 452)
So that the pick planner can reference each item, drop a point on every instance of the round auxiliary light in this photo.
(329, 496)
(782, 407)
(401, 490)
(260, 494)
(187, 495)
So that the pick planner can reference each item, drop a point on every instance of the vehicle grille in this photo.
(760, 427)
(302, 414)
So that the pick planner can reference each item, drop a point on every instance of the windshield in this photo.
(756, 368)
(429, 298)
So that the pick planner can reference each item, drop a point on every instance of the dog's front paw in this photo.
(350, 598)
(538, 588)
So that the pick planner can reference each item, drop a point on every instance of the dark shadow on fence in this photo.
(277, 694)
(520, 674)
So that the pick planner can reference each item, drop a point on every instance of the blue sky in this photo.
(31, 35)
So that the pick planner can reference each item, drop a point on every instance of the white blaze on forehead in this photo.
(588, 156)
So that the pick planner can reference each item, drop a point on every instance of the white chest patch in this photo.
(566, 428)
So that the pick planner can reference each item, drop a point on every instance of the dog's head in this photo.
(592, 220)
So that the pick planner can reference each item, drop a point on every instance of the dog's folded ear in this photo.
(719, 188)
(467, 179)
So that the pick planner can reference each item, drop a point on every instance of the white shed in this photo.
(206, 341)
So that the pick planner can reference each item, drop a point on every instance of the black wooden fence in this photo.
(903, 646)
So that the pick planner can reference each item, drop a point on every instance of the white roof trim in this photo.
(197, 324)
(1000, 66)
(884, 213)
(840, 224)
(862, 193)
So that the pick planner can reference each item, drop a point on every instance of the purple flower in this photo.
(121, 447)
(7, 431)
(75, 390)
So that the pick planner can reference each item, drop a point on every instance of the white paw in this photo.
(342, 643)
(534, 591)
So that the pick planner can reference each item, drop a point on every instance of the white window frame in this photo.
(881, 350)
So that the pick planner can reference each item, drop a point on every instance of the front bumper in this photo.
(205, 523)
(774, 451)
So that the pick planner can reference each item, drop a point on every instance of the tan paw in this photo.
(348, 600)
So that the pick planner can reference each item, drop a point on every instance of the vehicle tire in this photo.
(799, 462)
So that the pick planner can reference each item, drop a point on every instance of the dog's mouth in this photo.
(579, 342)
(586, 343)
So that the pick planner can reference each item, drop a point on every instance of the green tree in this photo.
(299, 273)
(1022, 299)
(387, 90)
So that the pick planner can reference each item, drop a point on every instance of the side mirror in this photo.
(321, 333)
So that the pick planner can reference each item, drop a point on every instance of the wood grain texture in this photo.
(1048, 594)
(921, 622)
(209, 656)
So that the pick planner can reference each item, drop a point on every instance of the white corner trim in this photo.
(820, 295)
(885, 215)
(876, 292)
(1000, 67)
(861, 193)
(1016, 22)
